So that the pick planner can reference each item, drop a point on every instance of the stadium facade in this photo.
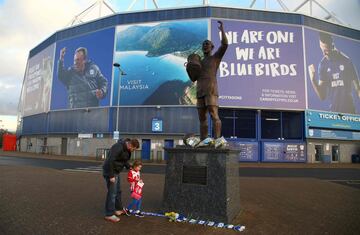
(269, 106)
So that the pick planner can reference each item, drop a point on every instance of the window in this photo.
(292, 125)
(245, 124)
(281, 125)
(227, 122)
(270, 125)
(238, 123)
(274, 124)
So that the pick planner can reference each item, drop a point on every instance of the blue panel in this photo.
(176, 120)
(145, 149)
(35, 124)
(333, 28)
(79, 121)
(249, 151)
(272, 152)
(326, 158)
(50, 40)
(284, 152)
(333, 134)
(332, 120)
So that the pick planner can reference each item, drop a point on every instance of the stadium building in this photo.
(76, 102)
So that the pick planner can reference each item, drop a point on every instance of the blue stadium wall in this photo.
(179, 119)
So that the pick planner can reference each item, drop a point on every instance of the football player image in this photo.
(336, 78)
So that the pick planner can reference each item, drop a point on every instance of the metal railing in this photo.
(102, 153)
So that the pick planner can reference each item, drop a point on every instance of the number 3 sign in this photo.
(157, 125)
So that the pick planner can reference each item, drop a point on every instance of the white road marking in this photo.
(90, 169)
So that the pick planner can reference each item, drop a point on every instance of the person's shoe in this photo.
(126, 211)
(139, 214)
(119, 213)
(112, 218)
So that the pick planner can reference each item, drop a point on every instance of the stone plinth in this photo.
(202, 183)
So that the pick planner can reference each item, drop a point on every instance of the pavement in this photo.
(37, 200)
(48, 156)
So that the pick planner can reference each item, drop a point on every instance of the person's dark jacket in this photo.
(82, 87)
(117, 159)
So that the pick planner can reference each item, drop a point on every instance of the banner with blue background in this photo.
(328, 125)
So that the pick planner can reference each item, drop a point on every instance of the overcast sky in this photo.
(26, 23)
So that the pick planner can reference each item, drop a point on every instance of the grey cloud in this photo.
(9, 99)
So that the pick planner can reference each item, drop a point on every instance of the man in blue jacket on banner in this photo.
(84, 81)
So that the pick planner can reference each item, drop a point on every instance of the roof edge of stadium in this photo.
(208, 11)
(205, 6)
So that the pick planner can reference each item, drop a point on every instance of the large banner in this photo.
(333, 65)
(37, 86)
(82, 71)
(263, 66)
(152, 56)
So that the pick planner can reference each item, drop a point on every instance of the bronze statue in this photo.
(207, 90)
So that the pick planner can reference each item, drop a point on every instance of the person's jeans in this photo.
(136, 203)
(113, 196)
